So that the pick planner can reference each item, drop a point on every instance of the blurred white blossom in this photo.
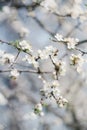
(59, 37)
(38, 109)
(48, 51)
(3, 100)
(76, 11)
(14, 73)
(51, 90)
(24, 45)
(6, 58)
(31, 60)
(49, 5)
(77, 61)
(71, 42)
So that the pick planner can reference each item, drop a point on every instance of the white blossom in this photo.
(38, 109)
(39, 106)
(3, 100)
(24, 45)
(50, 5)
(76, 11)
(31, 60)
(51, 91)
(71, 42)
(6, 58)
(62, 101)
(59, 37)
(50, 87)
(48, 51)
(14, 73)
(77, 61)
(42, 54)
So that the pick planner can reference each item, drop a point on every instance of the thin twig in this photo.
(15, 59)
(25, 71)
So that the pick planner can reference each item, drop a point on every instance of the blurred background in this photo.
(27, 19)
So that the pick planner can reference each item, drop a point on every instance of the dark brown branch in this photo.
(25, 71)
(61, 15)
(81, 42)
(15, 59)
(83, 52)
(42, 26)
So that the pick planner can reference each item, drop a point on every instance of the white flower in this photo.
(51, 50)
(48, 51)
(51, 91)
(52, 84)
(59, 37)
(49, 5)
(31, 60)
(39, 106)
(77, 61)
(76, 11)
(38, 109)
(24, 45)
(61, 101)
(3, 100)
(14, 73)
(71, 42)
(42, 54)
(6, 58)
(50, 87)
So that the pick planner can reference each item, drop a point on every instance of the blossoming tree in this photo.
(61, 63)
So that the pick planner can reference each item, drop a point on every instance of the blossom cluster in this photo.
(6, 58)
(76, 11)
(24, 45)
(31, 60)
(48, 51)
(49, 5)
(50, 90)
(77, 61)
(70, 42)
